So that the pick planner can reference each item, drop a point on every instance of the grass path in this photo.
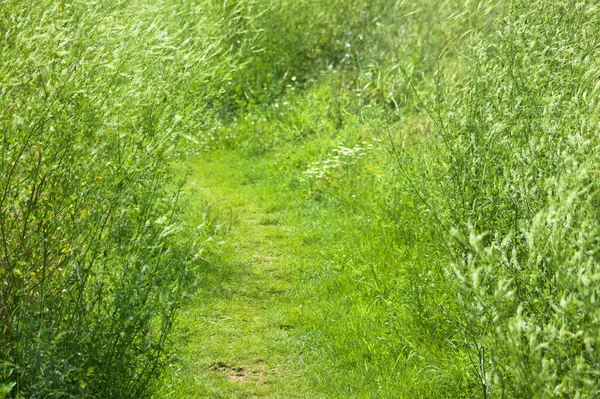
(244, 334)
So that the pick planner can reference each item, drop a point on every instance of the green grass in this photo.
(240, 336)
(320, 234)
(94, 265)
(310, 199)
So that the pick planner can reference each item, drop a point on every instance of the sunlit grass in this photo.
(425, 171)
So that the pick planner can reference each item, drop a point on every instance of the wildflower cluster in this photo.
(342, 156)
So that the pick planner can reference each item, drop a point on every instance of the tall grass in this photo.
(507, 182)
(95, 97)
(521, 142)
(466, 265)
(450, 146)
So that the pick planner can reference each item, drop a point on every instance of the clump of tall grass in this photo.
(511, 182)
(283, 45)
(521, 141)
(95, 97)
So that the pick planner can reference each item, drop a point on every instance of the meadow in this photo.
(401, 194)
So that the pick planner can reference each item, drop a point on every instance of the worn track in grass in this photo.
(243, 336)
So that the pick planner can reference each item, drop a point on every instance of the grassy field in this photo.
(309, 199)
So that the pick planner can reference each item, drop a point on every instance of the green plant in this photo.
(93, 262)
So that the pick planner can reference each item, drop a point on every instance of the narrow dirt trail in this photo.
(243, 334)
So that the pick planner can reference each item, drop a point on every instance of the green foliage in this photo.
(446, 151)
(466, 255)
(94, 99)
(521, 142)
(282, 45)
